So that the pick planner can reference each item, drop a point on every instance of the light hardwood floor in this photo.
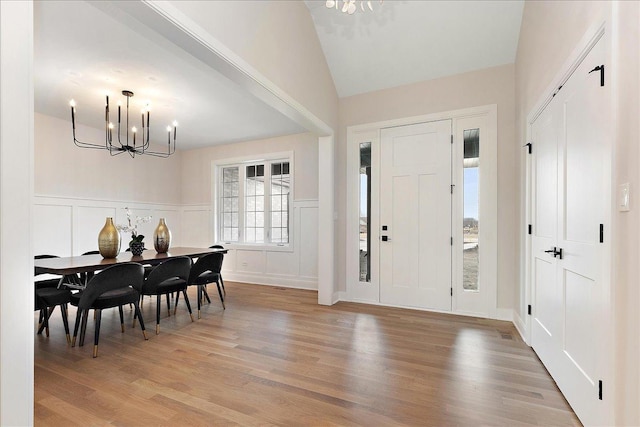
(275, 357)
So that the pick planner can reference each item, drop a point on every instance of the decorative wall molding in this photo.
(69, 226)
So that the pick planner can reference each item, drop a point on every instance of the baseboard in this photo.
(338, 296)
(504, 314)
(520, 327)
(285, 282)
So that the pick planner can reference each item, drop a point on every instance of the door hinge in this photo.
(452, 241)
(451, 291)
(601, 233)
(600, 389)
(528, 145)
(529, 229)
(452, 138)
(601, 69)
(452, 185)
(529, 309)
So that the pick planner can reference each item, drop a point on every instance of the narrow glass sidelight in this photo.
(365, 212)
(471, 249)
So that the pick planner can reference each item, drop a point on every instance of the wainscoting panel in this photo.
(67, 226)
(250, 261)
(88, 221)
(308, 241)
(52, 227)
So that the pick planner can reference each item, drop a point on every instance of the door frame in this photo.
(357, 291)
(522, 320)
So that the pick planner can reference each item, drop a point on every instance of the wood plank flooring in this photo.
(275, 357)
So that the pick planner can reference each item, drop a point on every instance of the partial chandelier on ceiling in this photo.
(123, 144)
(350, 6)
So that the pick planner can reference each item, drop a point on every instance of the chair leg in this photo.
(96, 336)
(186, 300)
(121, 318)
(41, 322)
(199, 299)
(168, 304)
(48, 312)
(220, 293)
(175, 304)
(65, 321)
(224, 291)
(158, 303)
(83, 326)
(135, 313)
(206, 294)
(75, 329)
(139, 313)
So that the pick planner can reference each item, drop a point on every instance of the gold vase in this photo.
(162, 237)
(109, 240)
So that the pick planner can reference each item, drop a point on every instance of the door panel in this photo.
(570, 144)
(415, 206)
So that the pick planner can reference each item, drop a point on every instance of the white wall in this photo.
(550, 31)
(16, 188)
(489, 86)
(62, 169)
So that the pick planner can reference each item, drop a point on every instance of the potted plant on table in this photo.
(136, 244)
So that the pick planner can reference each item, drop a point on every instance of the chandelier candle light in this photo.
(122, 145)
(349, 6)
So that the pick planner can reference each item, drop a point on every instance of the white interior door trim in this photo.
(370, 132)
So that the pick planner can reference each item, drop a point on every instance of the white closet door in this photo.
(571, 190)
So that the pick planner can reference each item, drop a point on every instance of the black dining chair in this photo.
(46, 297)
(204, 271)
(224, 291)
(114, 286)
(166, 278)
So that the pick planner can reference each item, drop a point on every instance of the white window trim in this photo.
(216, 167)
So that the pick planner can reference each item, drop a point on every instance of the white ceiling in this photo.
(81, 52)
(404, 42)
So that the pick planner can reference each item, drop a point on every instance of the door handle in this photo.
(557, 252)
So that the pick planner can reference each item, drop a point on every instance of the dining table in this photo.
(70, 267)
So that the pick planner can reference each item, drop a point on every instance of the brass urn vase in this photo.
(162, 237)
(109, 240)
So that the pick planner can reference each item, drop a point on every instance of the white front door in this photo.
(571, 180)
(415, 215)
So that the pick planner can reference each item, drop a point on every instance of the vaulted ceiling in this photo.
(81, 52)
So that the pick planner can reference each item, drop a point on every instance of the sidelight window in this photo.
(471, 249)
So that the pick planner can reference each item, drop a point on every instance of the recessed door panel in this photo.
(415, 208)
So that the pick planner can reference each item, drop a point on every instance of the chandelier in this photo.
(350, 6)
(123, 143)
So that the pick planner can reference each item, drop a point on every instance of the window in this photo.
(254, 202)
(470, 256)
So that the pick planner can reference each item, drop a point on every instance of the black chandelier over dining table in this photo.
(123, 143)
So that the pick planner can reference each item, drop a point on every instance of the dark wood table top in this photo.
(87, 263)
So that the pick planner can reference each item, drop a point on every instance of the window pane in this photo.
(259, 219)
(276, 219)
(229, 201)
(470, 198)
(365, 211)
